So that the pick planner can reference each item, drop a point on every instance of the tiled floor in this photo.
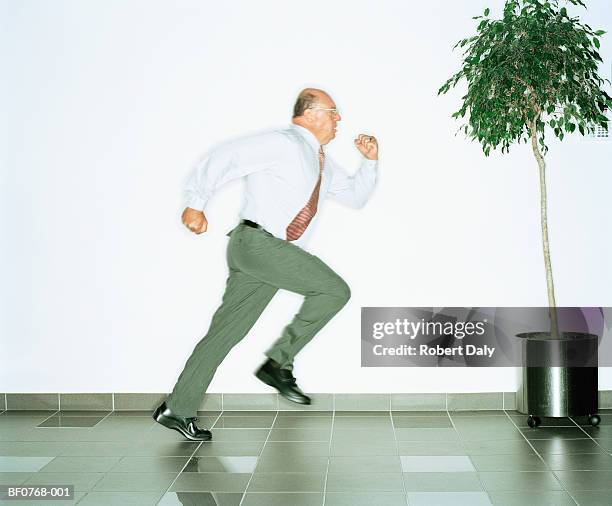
(311, 458)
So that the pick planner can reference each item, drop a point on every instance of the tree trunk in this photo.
(544, 223)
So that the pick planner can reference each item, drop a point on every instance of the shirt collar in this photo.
(308, 136)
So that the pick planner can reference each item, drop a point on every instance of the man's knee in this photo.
(342, 291)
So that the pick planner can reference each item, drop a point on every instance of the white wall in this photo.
(107, 105)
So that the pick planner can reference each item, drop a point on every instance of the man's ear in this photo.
(308, 115)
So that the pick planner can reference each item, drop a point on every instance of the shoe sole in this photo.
(174, 426)
(269, 380)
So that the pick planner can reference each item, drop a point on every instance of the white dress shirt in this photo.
(281, 168)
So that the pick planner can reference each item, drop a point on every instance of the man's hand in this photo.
(194, 220)
(367, 146)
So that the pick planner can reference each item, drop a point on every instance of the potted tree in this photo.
(531, 72)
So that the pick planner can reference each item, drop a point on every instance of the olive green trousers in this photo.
(260, 264)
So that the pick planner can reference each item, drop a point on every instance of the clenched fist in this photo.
(194, 220)
(367, 146)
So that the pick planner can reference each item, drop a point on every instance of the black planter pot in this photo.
(559, 378)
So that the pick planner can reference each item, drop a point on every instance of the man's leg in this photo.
(244, 300)
(284, 265)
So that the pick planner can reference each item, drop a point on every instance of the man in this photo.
(287, 175)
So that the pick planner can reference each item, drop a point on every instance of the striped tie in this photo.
(299, 224)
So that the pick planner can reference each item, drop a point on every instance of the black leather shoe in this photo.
(281, 379)
(186, 426)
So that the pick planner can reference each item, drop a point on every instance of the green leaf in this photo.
(596, 42)
(599, 33)
(486, 12)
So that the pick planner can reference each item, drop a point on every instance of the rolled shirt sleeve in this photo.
(229, 161)
(353, 191)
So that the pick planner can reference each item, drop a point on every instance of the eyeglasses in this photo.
(333, 111)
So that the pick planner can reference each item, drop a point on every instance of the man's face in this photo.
(323, 123)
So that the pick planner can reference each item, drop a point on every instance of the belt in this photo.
(252, 224)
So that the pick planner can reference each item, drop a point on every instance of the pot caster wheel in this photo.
(534, 421)
(594, 420)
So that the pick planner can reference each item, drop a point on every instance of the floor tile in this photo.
(248, 414)
(358, 436)
(436, 464)
(134, 482)
(365, 482)
(566, 446)
(80, 465)
(384, 414)
(306, 414)
(279, 463)
(87, 412)
(248, 422)
(287, 482)
(363, 448)
(602, 431)
(511, 462)
(300, 435)
(426, 435)
(418, 422)
(373, 464)
(123, 498)
(591, 498)
(489, 433)
(213, 449)
(604, 445)
(442, 482)
(448, 499)
(579, 462)
(283, 499)
(420, 414)
(509, 446)
(131, 449)
(201, 499)
(31, 449)
(23, 464)
(70, 421)
(521, 421)
(518, 481)
(552, 498)
(431, 448)
(362, 422)
(554, 433)
(365, 499)
(12, 478)
(149, 465)
(298, 422)
(585, 480)
(18, 413)
(20, 422)
(83, 482)
(296, 449)
(240, 435)
(221, 465)
(124, 413)
(485, 421)
(477, 413)
(211, 482)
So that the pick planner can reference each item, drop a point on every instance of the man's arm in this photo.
(354, 191)
(230, 161)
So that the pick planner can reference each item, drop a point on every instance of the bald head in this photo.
(306, 99)
(315, 110)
